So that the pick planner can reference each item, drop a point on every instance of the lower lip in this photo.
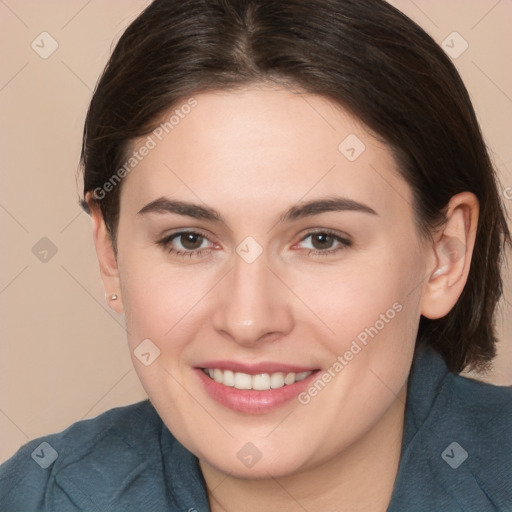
(250, 401)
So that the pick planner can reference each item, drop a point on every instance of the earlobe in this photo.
(107, 257)
(452, 250)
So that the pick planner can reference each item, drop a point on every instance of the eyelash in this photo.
(165, 243)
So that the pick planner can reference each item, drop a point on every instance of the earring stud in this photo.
(113, 296)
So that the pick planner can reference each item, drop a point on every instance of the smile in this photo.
(259, 382)
(254, 388)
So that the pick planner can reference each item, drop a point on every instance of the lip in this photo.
(255, 368)
(250, 401)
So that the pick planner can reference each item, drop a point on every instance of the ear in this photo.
(452, 250)
(106, 256)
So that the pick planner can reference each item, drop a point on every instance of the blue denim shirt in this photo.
(456, 456)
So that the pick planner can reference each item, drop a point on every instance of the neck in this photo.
(361, 478)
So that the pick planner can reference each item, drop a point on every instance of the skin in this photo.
(251, 154)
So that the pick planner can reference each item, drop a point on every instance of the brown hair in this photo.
(363, 54)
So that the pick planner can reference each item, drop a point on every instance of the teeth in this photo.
(228, 378)
(260, 382)
(302, 376)
(243, 381)
(277, 380)
(289, 379)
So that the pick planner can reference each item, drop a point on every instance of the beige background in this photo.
(63, 353)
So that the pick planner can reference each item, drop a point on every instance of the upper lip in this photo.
(255, 368)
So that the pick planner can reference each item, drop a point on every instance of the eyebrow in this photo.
(299, 211)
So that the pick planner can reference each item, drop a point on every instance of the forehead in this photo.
(255, 145)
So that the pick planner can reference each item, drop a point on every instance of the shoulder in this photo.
(457, 451)
(485, 407)
(62, 468)
(480, 414)
(457, 403)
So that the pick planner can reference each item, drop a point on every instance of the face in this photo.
(268, 251)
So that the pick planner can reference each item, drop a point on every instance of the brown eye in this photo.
(322, 241)
(186, 244)
(191, 241)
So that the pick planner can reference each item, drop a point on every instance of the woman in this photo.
(295, 211)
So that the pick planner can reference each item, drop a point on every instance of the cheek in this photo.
(375, 313)
(380, 291)
(161, 304)
(159, 301)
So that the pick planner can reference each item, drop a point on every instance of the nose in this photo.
(252, 305)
